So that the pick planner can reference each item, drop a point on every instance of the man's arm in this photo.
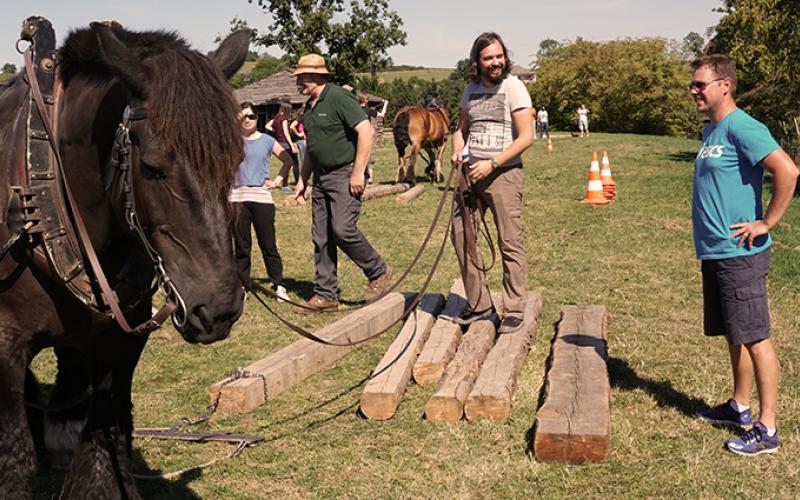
(522, 123)
(366, 136)
(785, 172)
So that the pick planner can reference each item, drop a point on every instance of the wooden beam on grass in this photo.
(383, 190)
(410, 195)
(494, 390)
(444, 339)
(383, 392)
(290, 201)
(447, 405)
(574, 423)
(279, 371)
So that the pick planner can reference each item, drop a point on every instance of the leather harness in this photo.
(43, 212)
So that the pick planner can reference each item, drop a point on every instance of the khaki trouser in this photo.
(501, 192)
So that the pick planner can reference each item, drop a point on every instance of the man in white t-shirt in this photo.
(544, 126)
(583, 120)
(495, 122)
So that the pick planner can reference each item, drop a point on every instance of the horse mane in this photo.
(190, 105)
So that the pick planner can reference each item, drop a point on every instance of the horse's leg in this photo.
(411, 177)
(401, 163)
(63, 427)
(438, 163)
(101, 467)
(17, 455)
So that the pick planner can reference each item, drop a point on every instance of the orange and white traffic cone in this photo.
(594, 190)
(609, 186)
(549, 145)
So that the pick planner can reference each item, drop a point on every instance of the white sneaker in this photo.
(281, 293)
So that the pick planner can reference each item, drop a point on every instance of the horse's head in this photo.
(184, 156)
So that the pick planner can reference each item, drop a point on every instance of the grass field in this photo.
(421, 73)
(635, 255)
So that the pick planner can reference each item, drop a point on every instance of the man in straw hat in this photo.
(339, 139)
(732, 241)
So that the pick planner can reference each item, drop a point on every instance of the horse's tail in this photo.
(400, 131)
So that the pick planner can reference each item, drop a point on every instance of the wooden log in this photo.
(444, 339)
(277, 372)
(574, 423)
(383, 190)
(383, 392)
(447, 405)
(410, 195)
(494, 390)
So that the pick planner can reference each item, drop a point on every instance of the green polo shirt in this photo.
(330, 138)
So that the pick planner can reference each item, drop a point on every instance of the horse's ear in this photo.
(232, 52)
(122, 60)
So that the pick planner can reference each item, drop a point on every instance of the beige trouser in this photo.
(501, 192)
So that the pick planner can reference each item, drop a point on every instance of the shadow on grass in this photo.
(48, 480)
(682, 156)
(625, 378)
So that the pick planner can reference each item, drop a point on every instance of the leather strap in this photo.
(83, 235)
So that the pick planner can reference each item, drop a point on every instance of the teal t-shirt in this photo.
(727, 185)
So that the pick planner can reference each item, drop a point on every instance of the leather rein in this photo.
(124, 203)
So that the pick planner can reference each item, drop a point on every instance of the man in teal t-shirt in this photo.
(731, 235)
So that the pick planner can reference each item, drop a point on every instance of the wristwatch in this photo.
(494, 163)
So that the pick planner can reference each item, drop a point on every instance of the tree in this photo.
(762, 37)
(266, 66)
(359, 43)
(629, 85)
(461, 73)
(693, 44)
(9, 69)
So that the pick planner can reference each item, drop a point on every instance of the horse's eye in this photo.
(152, 172)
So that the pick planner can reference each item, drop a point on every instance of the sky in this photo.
(440, 32)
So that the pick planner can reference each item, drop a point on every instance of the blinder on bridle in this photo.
(119, 186)
(50, 218)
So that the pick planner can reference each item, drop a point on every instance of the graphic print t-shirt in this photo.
(727, 185)
(489, 109)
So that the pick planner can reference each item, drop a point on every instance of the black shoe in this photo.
(510, 324)
(469, 316)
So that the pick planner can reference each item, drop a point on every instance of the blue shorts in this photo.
(735, 298)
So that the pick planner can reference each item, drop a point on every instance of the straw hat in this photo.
(311, 63)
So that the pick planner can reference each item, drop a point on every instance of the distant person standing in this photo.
(544, 127)
(253, 202)
(732, 241)
(339, 141)
(372, 114)
(495, 121)
(299, 137)
(583, 120)
(279, 125)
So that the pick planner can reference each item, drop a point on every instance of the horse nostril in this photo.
(202, 314)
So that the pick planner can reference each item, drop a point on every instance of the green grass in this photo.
(635, 256)
(421, 73)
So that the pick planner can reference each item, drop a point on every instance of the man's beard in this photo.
(494, 81)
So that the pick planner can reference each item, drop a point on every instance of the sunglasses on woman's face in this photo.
(251, 116)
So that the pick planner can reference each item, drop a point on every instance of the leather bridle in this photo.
(119, 181)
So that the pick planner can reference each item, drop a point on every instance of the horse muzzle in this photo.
(208, 321)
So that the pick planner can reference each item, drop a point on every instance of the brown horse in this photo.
(422, 129)
(178, 117)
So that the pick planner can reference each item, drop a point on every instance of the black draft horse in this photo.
(184, 156)
(424, 129)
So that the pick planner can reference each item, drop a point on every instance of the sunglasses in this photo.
(251, 116)
(701, 86)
